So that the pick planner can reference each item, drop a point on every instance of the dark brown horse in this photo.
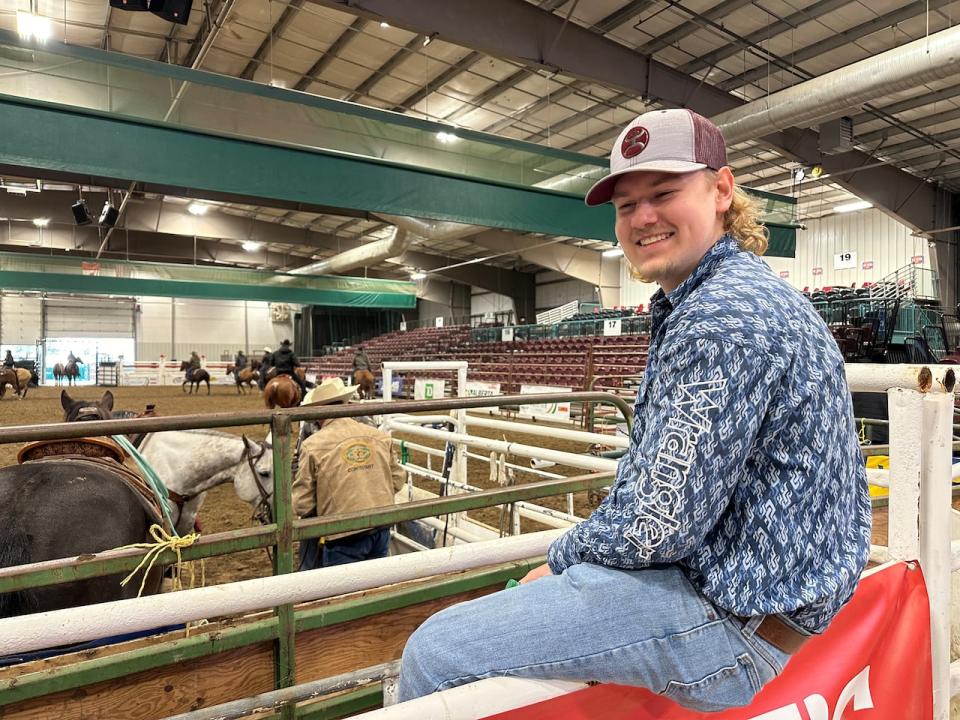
(248, 376)
(199, 375)
(281, 391)
(367, 383)
(42, 517)
(70, 371)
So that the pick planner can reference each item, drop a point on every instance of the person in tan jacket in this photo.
(343, 466)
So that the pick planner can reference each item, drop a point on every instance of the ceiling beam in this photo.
(356, 27)
(717, 12)
(288, 15)
(519, 31)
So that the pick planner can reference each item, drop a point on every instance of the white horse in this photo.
(190, 462)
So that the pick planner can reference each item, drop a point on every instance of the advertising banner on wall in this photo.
(559, 412)
(429, 388)
(476, 388)
(872, 662)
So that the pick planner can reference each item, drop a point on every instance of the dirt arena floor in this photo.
(222, 510)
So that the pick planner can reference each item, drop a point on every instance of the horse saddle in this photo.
(110, 459)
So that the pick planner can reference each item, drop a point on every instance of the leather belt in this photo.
(779, 634)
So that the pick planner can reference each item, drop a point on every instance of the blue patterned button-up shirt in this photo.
(743, 466)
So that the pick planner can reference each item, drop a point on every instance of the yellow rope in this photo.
(164, 541)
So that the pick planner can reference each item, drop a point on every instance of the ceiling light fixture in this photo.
(799, 174)
(429, 38)
(613, 252)
(33, 27)
(384, 24)
(418, 275)
(853, 207)
(251, 245)
(196, 208)
(446, 137)
(41, 222)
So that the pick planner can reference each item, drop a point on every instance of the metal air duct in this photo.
(828, 96)
(364, 255)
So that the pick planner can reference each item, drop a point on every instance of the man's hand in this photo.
(537, 573)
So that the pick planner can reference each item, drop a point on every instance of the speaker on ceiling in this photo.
(81, 215)
(109, 215)
(175, 11)
(130, 4)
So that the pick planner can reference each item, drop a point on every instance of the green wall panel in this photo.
(56, 282)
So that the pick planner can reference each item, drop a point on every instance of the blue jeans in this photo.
(648, 628)
(352, 548)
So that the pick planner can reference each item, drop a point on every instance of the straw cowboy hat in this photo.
(329, 391)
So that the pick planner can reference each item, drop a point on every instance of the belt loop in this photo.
(751, 624)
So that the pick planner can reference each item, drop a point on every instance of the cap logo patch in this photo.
(635, 142)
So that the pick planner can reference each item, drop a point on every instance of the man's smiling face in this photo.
(666, 222)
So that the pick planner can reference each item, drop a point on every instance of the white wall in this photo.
(176, 326)
(872, 235)
(554, 288)
(483, 302)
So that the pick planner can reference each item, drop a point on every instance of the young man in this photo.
(739, 520)
(343, 465)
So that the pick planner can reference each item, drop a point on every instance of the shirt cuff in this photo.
(563, 552)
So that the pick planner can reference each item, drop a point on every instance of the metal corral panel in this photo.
(21, 319)
(89, 317)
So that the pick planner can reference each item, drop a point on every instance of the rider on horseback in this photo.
(8, 360)
(360, 360)
(72, 360)
(285, 361)
(265, 364)
(239, 363)
(193, 366)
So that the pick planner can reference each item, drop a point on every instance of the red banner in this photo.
(873, 663)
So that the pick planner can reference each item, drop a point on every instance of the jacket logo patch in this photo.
(357, 454)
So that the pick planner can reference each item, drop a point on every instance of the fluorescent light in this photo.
(41, 222)
(33, 27)
(429, 38)
(853, 207)
(446, 137)
(613, 252)
(278, 83)
(251, 246)
(418, 275)
(196, 208)
(384, 24)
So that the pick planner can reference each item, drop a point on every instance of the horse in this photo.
(248, 376)
(281, 391)
(199, 375)
(367, 383)
(17, 378)
(106, 514)
(60, 508)
(70, 371)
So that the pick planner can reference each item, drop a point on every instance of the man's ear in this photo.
(724, 184)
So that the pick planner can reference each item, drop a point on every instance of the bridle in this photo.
(262, 512)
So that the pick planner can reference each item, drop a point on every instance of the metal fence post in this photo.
(283, 559)
(906, 439)
(936, 557)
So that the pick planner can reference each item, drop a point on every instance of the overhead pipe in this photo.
(369, 254)
(432, 229)
(931, 58)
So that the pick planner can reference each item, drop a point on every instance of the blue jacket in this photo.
(743, 467)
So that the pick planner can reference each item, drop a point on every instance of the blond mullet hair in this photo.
(742, 221)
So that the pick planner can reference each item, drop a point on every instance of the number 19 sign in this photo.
(845, 261)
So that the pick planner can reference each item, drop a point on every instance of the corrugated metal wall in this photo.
(874, 237)
(21, 320)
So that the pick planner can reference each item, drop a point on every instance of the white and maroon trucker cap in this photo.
(671, 141)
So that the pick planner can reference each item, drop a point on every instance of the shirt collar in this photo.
(661, 304)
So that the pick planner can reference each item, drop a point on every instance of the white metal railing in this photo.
(557, 314)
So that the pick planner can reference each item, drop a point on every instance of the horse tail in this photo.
(15, 550)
